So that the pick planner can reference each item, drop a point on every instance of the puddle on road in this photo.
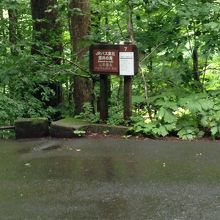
(119, 160)
(99, 179)
(24, 150)
(51, 145)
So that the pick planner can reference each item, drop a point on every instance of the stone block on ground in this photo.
(31, 128)
(65, 128)
(108, 129)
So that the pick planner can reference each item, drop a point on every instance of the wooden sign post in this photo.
(127, 69)
(103, 97)
(127, 98)
(114, 60)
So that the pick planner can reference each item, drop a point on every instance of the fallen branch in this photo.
(10, 127)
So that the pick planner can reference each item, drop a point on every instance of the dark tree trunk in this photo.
(130, 23)
(3, 33)
(47, 29)
(47, 33)
(79, 27)
(195, 58)
(12, 28)
(96, 23)
(40, 24)
(1, 13)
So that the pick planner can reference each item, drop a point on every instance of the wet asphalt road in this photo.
(103, 179)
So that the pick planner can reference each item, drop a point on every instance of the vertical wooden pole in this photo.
(127, 97)
(103, 97)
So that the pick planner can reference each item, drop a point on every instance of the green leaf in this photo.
(161, 113)
(214, 131)
(194, 106)
(205, 121)
(138, 99)
(170, 127)
(206, 104)
(79, 133)
(169, 117)
(163, 131)
(212, 25)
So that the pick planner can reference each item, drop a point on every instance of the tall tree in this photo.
(47, 35)
(79, 28)
(13, 27)
(3, 32)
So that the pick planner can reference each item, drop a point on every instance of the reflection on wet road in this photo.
(109, 179)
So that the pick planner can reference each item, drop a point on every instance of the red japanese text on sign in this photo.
(105, 61)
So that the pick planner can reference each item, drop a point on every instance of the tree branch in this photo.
(69, 61)
(148, 55)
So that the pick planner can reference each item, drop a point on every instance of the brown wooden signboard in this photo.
(111, 59)
(117, 60)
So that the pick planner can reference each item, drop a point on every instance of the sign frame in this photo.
(95, 63)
